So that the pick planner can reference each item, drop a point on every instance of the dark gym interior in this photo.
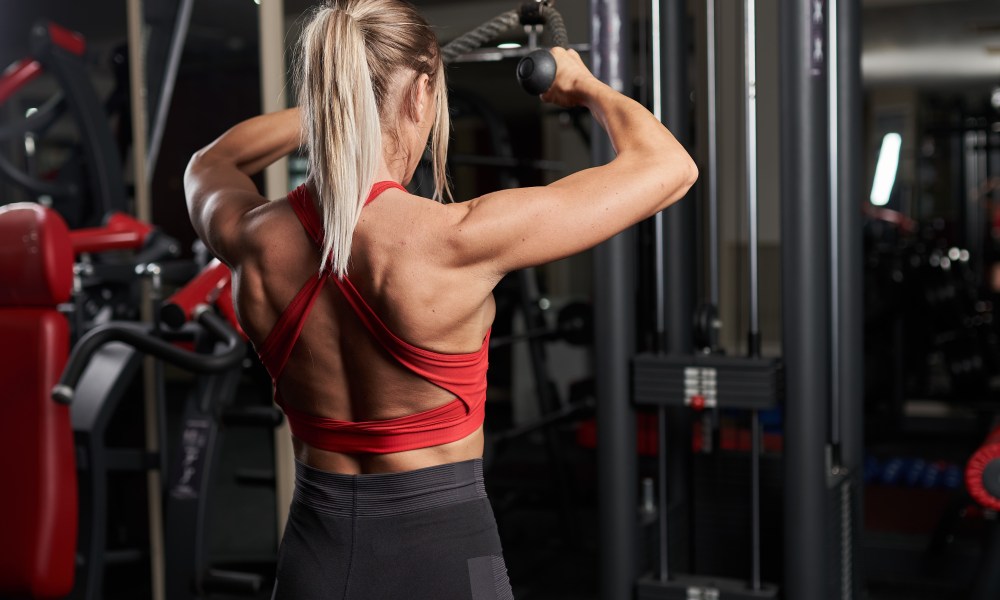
(786, 385)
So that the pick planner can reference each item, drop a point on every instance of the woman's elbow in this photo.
(683, 175)
(195, 163)
(690, 173)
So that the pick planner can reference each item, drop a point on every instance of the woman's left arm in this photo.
(217, 181)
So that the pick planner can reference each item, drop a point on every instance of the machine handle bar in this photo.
(228, 357)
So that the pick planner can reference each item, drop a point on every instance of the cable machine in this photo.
(816, 383)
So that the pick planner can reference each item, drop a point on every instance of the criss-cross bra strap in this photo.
(277, 347)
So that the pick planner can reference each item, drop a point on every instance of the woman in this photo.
(371, 307)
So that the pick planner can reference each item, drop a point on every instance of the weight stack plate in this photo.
(720, 381)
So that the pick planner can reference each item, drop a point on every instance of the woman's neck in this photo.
(403, 141)
(394, 170)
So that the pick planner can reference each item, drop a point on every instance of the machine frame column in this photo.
(805, 264)
(614, 322)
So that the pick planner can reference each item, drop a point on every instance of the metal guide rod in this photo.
(833, 78)
(177, 40)
(755, 531)
(660, 278)
(662, 508)
(713, 158)
(753, 339)
(658, 237)
(750, 40)
(643, 94)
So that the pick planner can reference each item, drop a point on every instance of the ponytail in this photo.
(342, 127)
(350, 53)
(439, 137)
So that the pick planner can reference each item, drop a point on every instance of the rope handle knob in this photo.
(536, 72)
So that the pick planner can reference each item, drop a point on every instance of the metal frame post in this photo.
(271, 21)
(849, 276)
(805, 295)
(144, 211)
(849, 239)
(678, 284)
(614, 322)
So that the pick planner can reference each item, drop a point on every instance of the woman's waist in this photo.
(326, 456)
(387, 494)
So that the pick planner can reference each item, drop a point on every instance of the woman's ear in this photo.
(422, 95)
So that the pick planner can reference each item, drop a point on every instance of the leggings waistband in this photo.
(387, 494)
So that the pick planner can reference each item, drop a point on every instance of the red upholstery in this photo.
(17, 76)
(203, 289)
(38, 506)
(120, 232)
(36, 260)
(68, 40)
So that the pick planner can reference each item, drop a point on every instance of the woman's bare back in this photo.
(336, 369)
(427, 269)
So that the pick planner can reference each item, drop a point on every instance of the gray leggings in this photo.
(427, 534)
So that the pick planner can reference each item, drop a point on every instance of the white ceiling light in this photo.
(885, 170)
(508, 45)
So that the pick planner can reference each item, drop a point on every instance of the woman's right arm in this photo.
(517, 228)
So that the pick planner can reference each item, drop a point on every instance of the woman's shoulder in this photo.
(274, 234)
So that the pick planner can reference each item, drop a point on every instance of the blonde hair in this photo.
(349, 54)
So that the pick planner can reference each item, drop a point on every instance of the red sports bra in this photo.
(464, 375)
